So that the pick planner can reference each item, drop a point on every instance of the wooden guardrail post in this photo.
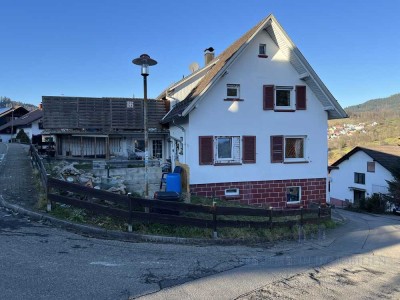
(270, 218)
(47, 190)
(130, 221)
(214, 212)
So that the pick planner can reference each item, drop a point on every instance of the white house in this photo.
(30, 122)
(251, 125)
(361, 173)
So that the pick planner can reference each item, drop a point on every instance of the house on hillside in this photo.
(9, 124)
(31, 123)
(106, 128)
(251, 124)
(361, 173)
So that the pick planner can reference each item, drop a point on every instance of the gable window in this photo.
(233, 91)
(359, 178)
(293, 194)
(284, 98)
(283, 95)
(288, 149)
(371, 166)
(262, 50)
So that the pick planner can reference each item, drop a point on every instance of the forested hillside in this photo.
(373, 123)
(7, 102)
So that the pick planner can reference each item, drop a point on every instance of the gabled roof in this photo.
(14, 109)
(387, 156)
(224, 60)
(24, 120)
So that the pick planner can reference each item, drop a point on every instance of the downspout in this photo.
(184, 137)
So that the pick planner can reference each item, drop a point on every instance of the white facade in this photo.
(32, 130)
(216, 117)
(342, 180)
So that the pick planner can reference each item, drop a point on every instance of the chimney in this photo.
(40, 106)
(208, 55)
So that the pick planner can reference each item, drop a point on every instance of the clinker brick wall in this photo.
(266, 193)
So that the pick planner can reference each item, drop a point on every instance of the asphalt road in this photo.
(42, 262)
(358, 260)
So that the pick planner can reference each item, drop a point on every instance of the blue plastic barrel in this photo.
(173, 182)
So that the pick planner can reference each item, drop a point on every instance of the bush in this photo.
(374, 204)
(23, 137)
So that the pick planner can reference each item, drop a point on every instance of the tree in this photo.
(394, 185)
(23, 137)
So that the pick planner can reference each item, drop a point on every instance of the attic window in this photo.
(262, 50)
(371, 166)
(233, 91)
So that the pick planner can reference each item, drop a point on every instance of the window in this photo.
(233, 91)
(359, 178)
(294, 148)
(288, 149)
(371, 166)
(227, 149)
(293, 194)
(219, 150)
(157, 148)
(284, 98)
(262, 50)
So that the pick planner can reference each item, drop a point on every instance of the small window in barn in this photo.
(293, 194)
(359, 178)
(157, 148)
(371, 166)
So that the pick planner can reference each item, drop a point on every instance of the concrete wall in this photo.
(134, 178)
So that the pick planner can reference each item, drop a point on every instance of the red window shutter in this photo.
(249, 150)
(276, 148)
(206, 150)
(301, 97)
(268, 97)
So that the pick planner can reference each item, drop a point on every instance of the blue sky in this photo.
(85, 47)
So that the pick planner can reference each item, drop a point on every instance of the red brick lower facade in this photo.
(266, 193)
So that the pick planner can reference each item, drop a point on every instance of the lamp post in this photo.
(145, 61)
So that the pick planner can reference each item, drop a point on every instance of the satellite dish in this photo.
(194, 67)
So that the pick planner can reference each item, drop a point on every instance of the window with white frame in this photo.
(233, 91)
(293, 194)
(227, 149)
(262, 49)
(157, 148)
(294, 148)
(283, 97)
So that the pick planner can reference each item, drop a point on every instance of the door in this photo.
(358, 195)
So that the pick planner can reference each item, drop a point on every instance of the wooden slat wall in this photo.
(106, 114)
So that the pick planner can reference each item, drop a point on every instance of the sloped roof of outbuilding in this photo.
(387, 156)
(24, 120)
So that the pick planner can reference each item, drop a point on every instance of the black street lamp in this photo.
(145, 61)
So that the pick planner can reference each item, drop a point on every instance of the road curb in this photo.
(97, 232)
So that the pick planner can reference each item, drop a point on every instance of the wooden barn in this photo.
(104, 127)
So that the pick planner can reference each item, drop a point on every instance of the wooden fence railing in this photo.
(176, 213)
(38, 164)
